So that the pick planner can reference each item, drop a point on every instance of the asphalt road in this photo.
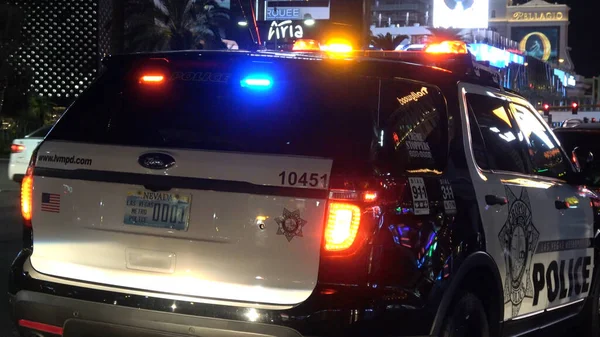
(10, 244)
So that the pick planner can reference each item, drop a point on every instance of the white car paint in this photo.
(18, 162)
(223, 255)
(541, 243)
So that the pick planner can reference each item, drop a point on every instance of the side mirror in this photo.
(582, 159)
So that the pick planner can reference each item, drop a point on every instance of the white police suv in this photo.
(220, 194)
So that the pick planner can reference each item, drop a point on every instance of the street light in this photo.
(308, 20)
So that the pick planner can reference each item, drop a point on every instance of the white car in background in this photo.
(21, 150)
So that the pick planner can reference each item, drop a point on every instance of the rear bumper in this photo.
(83, 311)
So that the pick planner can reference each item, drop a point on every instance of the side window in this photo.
(503, 151)
(415, 124)
(547, 158)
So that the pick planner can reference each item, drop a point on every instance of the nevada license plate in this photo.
(158, 210)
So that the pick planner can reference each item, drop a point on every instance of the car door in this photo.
(564, 273)
(511, 201)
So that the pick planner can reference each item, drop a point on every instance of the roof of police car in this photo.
(379, 65)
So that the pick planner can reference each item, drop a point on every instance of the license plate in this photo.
(158, 210)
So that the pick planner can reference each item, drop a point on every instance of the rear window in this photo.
(205, 107)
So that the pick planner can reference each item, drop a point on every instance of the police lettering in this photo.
(554, 278)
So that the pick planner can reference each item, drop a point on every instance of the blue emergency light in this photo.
(257, 81)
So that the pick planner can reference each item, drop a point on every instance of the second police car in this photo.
(273, 194)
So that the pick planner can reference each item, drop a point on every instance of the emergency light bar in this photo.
(453, 56)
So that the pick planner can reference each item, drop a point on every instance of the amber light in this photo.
(447, 47)
(306, 45)
(370, 196)
(17, 148)
(27, 196)
(343, 220)
(152, 79)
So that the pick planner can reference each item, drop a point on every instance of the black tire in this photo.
(466, 318)
(591, 312)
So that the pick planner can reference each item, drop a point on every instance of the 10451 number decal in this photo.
(303, 179)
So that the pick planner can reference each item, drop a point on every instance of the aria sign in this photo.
(285, 29)
(538, 16)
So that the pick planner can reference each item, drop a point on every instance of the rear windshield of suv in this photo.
(206, 107)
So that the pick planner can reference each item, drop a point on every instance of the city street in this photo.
(10, 240)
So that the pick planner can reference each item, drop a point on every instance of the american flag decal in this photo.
(51, 202)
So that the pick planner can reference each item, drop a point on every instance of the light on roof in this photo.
(447, 47)
(242, 23)
(337, 46)
(306, 45)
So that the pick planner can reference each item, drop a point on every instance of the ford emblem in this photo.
(156, 161)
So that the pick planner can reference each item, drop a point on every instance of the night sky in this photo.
(584, 38)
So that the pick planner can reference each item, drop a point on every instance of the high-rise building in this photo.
(62, 44)
(386, 13)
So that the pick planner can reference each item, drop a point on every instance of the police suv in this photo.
(275, 194)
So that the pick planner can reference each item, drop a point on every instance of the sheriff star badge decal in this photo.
(290, 224)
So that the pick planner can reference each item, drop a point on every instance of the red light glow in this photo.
(152, 79)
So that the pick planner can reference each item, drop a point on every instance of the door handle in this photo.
(561, 204)
(493, 200)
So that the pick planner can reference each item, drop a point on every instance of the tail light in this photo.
(343, 220)
(17, 148)
(27, 197)
(27, 191)
(344, 214)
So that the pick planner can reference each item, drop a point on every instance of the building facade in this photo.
(62, 45)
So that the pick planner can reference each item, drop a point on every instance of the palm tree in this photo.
(153, 25)
(445, 34)
(387, 42)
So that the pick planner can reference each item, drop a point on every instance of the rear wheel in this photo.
(466, 318)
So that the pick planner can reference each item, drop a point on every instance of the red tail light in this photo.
(27, 196)
(17, 148)
(152, 79)
(343, 219)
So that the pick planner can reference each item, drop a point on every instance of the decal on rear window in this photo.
(290, 224)
(419, 196)
(65, 160)
(201, 77)
(448, 196)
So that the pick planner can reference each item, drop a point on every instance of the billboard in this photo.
(461, 13)
(297, 10)
(539, 42)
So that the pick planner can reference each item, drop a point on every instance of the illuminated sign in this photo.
(285, 29)
(567, 80)
(461, 13)
(539, 16)
(539, 42)
(284, 13)
(296, 10)
(497, 57)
